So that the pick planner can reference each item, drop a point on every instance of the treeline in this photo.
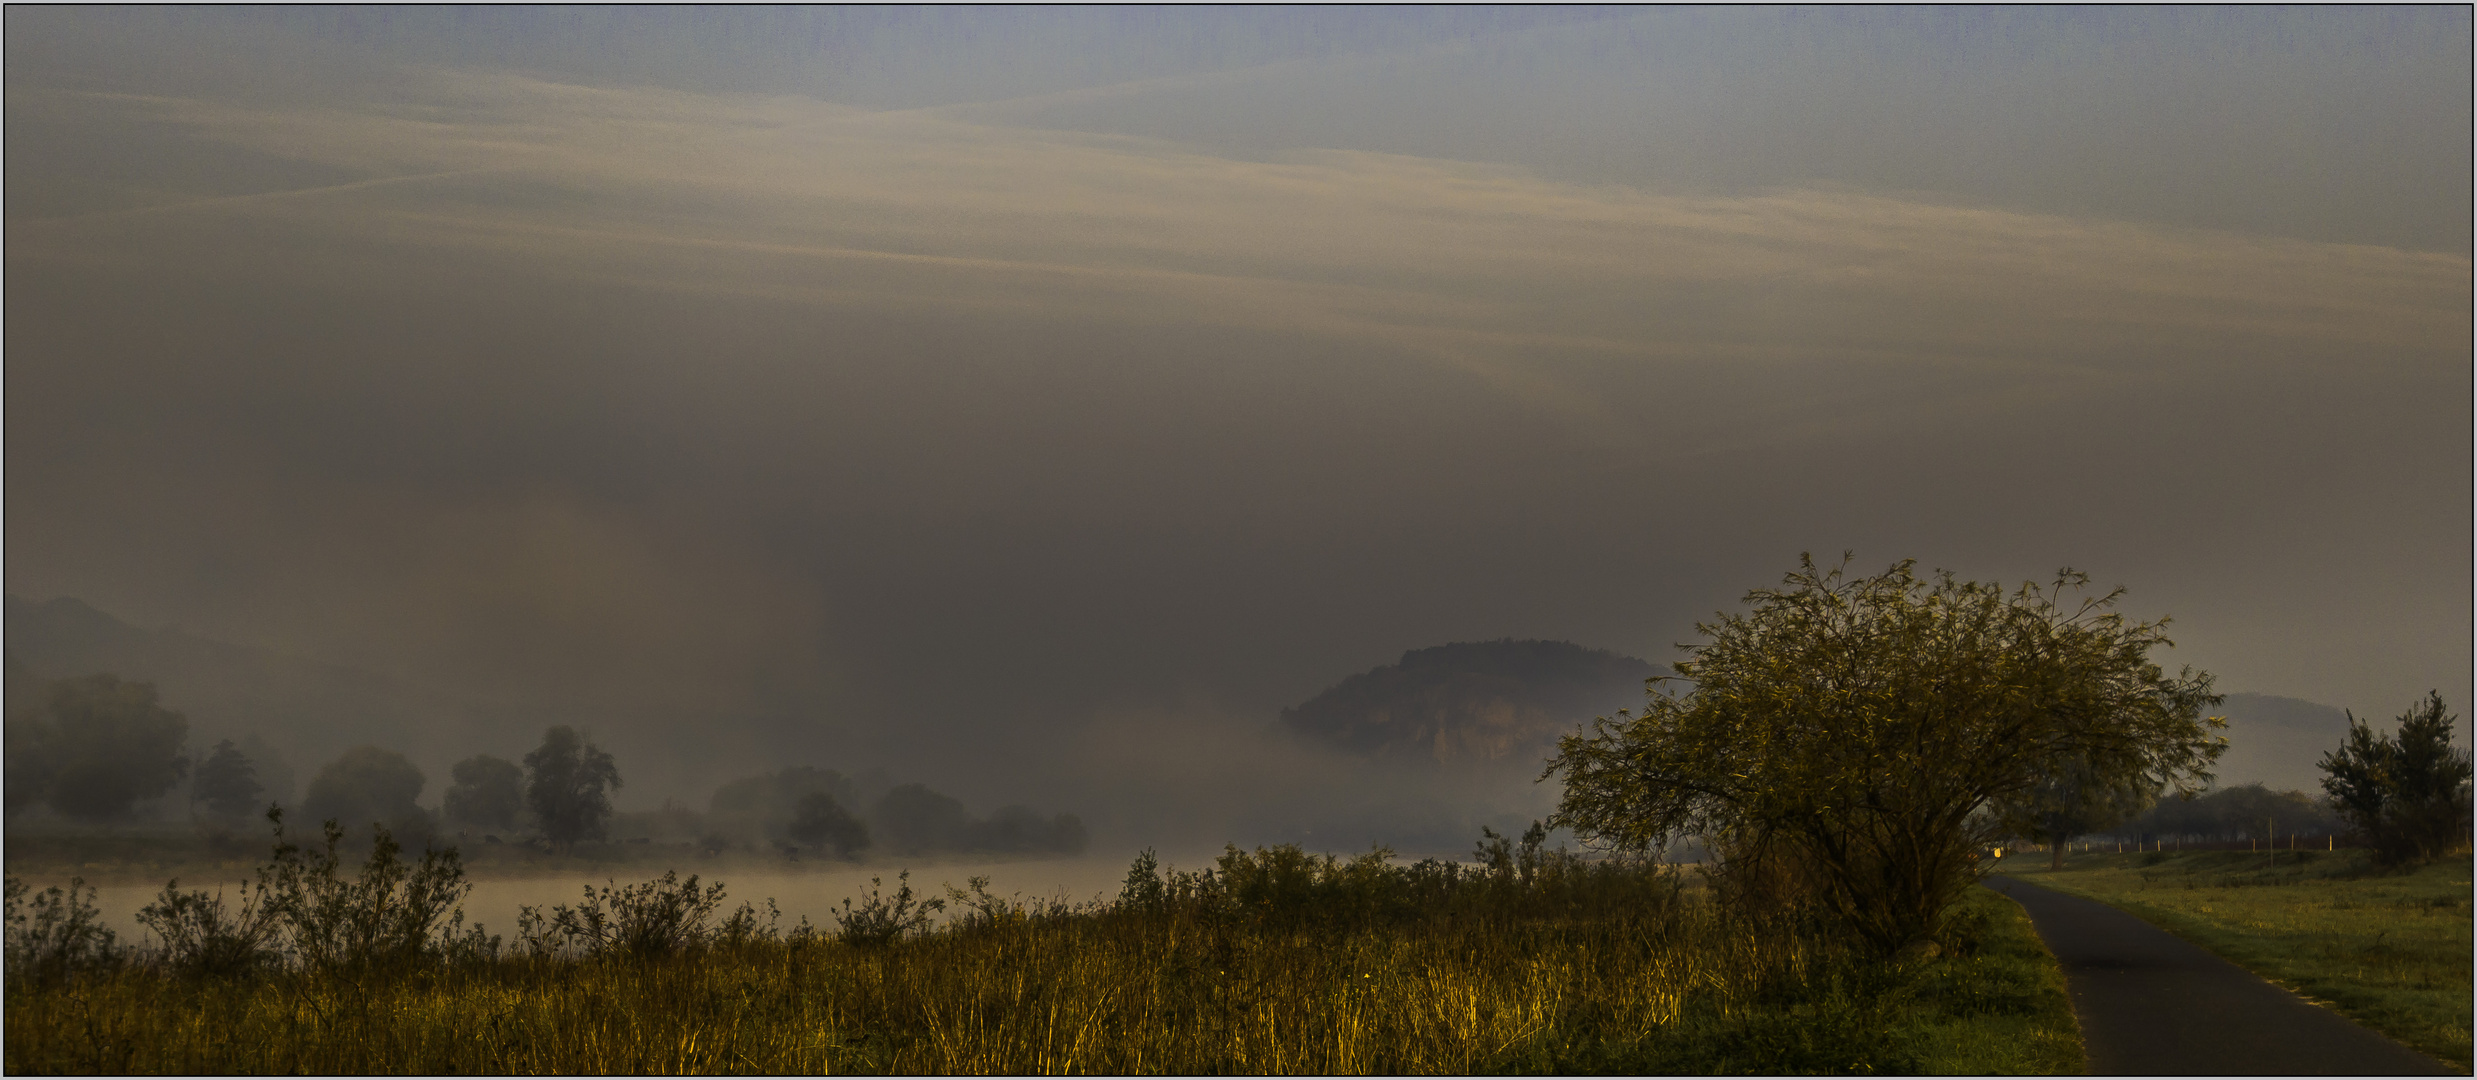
(98, 749)
(2243, 812)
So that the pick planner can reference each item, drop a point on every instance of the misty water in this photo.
(802, 890)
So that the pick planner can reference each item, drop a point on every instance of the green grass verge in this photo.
(2390, 950)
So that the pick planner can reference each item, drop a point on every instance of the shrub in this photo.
(880, 920)
(199, 935)
(392, 913)
(657, 918)
(54, 933)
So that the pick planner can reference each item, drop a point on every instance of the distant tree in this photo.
(1857, 734)
(1013, 829)
(227, 783)
(764, 805)
(275, 772)
(568, 786)
(820, 822)
(368, 786)
(2073, 799)
(912, 819)
(2407, 794)
(2235, 812)
(96, 748)
(484, 792)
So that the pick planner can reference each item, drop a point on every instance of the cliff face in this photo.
(1472, 702)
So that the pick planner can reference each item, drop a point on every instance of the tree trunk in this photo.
(2055, 859)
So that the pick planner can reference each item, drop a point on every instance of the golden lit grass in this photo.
(1666, 988)
(2390, 950)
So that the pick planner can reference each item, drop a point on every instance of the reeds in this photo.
(1274, 961)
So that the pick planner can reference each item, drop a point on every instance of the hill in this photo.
(1471, 702)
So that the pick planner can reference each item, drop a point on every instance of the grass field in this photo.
(1280, 963)
(2388, 949)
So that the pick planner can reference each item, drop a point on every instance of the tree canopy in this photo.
(568, 786)
(367, 786)
(2407, 794)
(1872, 732)
(97, 746)
(227, 783)
(484, 792)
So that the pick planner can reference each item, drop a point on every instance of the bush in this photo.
(658, 918)
(392, 914)
(880, 920)
(200, 936)
(52, 934)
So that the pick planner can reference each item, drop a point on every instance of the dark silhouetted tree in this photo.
(1857, 734)
(368, 786)
(912, 819)
(484, 792)
(2072, 800)
(2407, 794)
(1021, 829)
(820, 822)
(227, 783)
(96, 748)
(764, 805)
(568, 786)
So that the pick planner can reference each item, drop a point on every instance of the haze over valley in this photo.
(1040, 435)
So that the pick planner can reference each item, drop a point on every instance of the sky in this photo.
(987, 393)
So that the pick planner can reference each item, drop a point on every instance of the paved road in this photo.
(2152, 1004)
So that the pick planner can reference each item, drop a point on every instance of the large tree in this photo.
(484, 792)
(568, 786)
(2407, 794)
(1866, 732)
(367, 786)
(227, 783)
(96, 748)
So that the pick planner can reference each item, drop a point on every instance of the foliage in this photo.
(2246, 810)
(879, 920)
(369, 786)
(1869, 734)
(54, 933)
(227, 783)
(568, 787)
(764, 806)
(2074, 799)
(820, 822)
(392, 914)
(656, 918)
(1010, 829)
(98, 747)
(484, 792)
(911, 820)
(198, 934)
(1497, 978)
(2407, 795)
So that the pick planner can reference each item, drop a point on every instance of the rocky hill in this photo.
(1471, 702)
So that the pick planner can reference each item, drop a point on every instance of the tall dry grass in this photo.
(1273, 961)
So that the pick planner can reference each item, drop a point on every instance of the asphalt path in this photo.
(2152, 1004)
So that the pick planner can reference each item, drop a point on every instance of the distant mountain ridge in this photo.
(1503, 701)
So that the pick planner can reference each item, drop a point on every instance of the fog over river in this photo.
(812, 891)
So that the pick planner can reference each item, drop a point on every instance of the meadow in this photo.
(2389, 948)
(1270, 961)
